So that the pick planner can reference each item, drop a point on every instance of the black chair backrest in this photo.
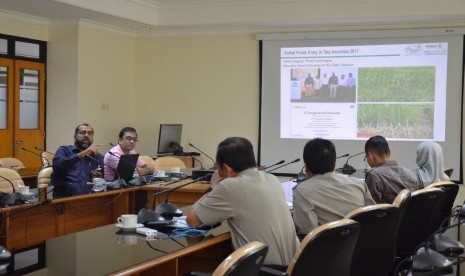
(419, 219)
(451, 189)
(246, 260)
(327, 250)
(375, 249)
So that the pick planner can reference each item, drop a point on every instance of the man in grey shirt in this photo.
(251, 201)
(326, 196)
(387, 178)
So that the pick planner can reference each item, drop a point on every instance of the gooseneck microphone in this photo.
(14, 197)
(294, 161)
(275, 164)
(116, 184)
(136, 181)
(148, 215)
(213, 161)
(344, 155)
(35, 153)
(37, 148)
(201, 165)
(169, 210)
(348, 169)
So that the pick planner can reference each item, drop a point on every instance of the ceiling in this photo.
(158, 16)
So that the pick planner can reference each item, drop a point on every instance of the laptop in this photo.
(127, 166)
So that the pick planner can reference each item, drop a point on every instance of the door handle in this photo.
(17, 142)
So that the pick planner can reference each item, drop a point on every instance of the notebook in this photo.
(126, 166)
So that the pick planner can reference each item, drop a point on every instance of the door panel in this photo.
(6, 107)
(29, 99)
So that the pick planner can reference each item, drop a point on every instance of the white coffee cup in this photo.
(98, 181)
(160, 173)
(127, 239)
(23, 190)
(128, 221)
(175, 170)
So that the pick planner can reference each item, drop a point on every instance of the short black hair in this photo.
(320, 156)
(126, 129)
(236, 152)
(378, 145)
(76, 130)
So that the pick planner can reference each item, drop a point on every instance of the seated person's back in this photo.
(387, 178)
(326, 196)
(252, 202)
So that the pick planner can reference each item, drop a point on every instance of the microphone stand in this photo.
(201, 165)
(116, 184)
(30, 151)
(295, 161)
(348, 169)
(344, 155)
(169, 210)
(427, 259)
(14, 197)
(145, 214)
(37, 148)
(213, 161)
(276, 164)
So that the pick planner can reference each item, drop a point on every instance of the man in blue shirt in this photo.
(75, 165)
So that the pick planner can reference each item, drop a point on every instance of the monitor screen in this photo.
(169, 134)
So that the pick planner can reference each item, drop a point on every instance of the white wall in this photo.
(210, 84)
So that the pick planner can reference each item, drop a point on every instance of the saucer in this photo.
(29, 195)
(121, 226)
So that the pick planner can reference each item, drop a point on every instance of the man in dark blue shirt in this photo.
(75, 165)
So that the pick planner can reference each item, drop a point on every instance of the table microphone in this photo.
(348, 169)
(169, 210)
(201, 165)
(136, 181)
(213, 161)
(294, 161)
(276, 164)
(344, 155)
(14, 197)
(35, 153)
(148, 215)
(116, 184)
(37, 148)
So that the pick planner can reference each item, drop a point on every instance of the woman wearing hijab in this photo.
(430, 164)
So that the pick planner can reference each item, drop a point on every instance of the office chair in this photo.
(46, 158)
(245, 261)
(378, 230)
(43, 177)
(12, 176)
(419, 219)
(11, 163)
(168, 162)
(149, 161)
(451, 189)
(448, 171)
(326, 251)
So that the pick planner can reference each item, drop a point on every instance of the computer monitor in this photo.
(169, 139)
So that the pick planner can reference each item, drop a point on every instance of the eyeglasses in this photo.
(83, 132)
(129, 139)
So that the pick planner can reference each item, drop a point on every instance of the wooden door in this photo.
(29, 118)
(6, 107)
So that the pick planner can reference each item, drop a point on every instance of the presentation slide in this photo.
(355, 92)
(349, 86)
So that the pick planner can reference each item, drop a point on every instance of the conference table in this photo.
(107, 250)
(30, 224)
